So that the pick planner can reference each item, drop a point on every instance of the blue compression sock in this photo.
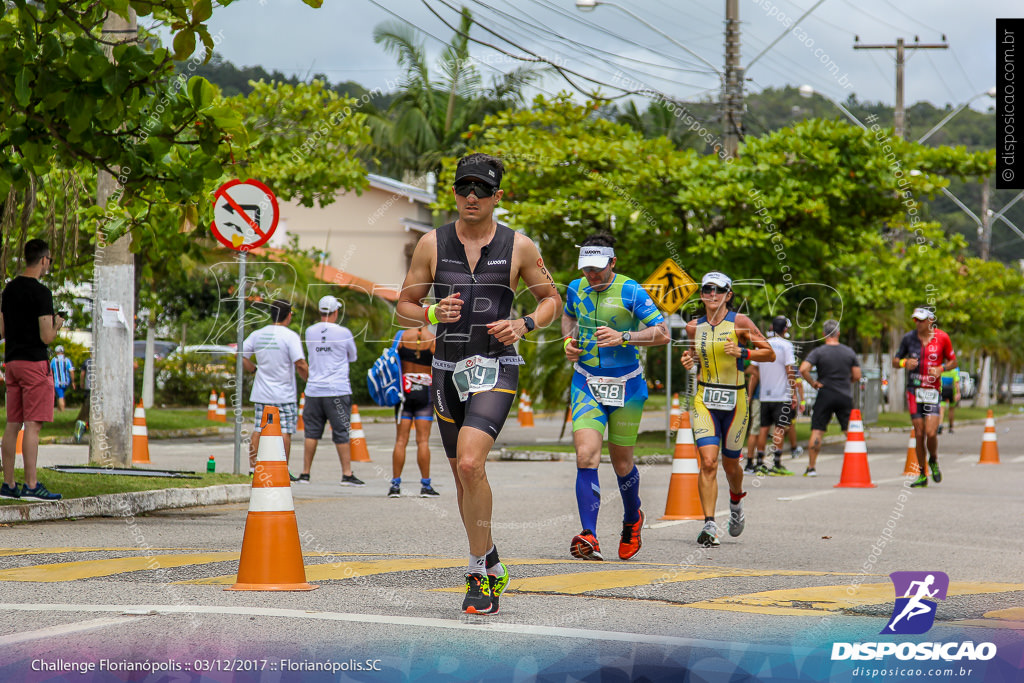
(629, 487)
(588, 497)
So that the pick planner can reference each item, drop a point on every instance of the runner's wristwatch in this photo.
(528, 321)
(625, 337)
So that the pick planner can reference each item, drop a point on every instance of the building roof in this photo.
(397, 187)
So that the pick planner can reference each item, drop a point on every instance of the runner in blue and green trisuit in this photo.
(600, 322)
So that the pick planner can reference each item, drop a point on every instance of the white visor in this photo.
(595, 257)
(716, 278)
(922, 314)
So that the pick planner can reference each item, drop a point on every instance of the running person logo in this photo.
(914, 612)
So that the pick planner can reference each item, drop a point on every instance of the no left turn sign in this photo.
(245, 214)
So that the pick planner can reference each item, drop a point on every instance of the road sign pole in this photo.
(668, 388)
(236, 401)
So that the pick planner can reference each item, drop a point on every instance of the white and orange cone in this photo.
(856, 473)
(222, 409)
(989, 447)
(211, 409)
(683, 499)
(20, 444)
(525, 410)
(357, 438)
(675, 416)
(140, 437)
(301, 424)
(912, 468)
(271, 557)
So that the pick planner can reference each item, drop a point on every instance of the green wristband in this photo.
(566, 342)
(432, 314)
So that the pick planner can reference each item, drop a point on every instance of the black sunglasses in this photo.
(713, 289)
(481, 190)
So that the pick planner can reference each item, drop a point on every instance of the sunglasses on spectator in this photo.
(713, 289)
(481, 190)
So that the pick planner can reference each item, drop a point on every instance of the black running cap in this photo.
(481, 170)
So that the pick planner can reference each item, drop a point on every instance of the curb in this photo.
(153, 434)
(125, 504)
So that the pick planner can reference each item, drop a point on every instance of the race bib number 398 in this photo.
(475, 374)
(609, 391)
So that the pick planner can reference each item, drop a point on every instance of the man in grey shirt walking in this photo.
(838, 367)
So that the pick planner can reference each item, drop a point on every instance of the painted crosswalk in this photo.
(805, 593)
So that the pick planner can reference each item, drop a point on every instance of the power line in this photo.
(895, 8)
(901, 29)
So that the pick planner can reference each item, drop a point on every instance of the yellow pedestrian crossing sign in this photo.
(670, 286)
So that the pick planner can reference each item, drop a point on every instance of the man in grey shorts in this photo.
(331, 348)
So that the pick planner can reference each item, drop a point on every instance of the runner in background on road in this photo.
(754, 412)
(795, 449)
(779, 404)
(416, 351)
(63, 371)
(601, 329)
(926, 352)
(717, 342)
(950, 395)
(476, 263)
(838, 368)
(331, 348)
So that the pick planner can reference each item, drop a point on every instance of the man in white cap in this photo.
(63, 376)
(331, 348)
(926, 352)
(601, 322)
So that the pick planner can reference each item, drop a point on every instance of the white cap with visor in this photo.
(595, 257)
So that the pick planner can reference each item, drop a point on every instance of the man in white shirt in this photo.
(278, 352)
(331, 348)
(777, 406)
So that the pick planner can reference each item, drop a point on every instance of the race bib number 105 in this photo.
(719, 399)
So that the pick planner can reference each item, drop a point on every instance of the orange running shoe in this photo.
(584, 546)
(629, 543)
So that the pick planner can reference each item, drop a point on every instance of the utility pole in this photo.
(732, 93)
(896, 379)
(110, 414)
(899, 120)
(986, 220)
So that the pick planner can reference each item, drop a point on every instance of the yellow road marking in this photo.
(72, 571)
(826, 599)
(349, 570)
(587, 581)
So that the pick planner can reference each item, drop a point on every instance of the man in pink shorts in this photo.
(29, 324)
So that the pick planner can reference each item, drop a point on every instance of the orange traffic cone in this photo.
(271, 554)
(18, 446)
(855, 472)
(989, 447)
(301, 424)
(211, 409)
(140, 437)
(525, 410)
(912, 468)
(675, 416)
(683, 500)
(222, 409)
(357, 438)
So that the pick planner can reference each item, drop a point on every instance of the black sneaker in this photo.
(936, 474)
(40, 492)
(920, 482)
(14, 493)
(302, 479)
(940, 429)
(497, 586)
(428, 492)
(395, 492)
(749, 467)
(478, 595)
(351, 480)
(292, 477)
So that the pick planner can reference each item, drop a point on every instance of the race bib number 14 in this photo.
(475, 374)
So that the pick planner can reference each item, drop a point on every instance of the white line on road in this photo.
(64, 629)
(420, 622)
(673, 522)
(833, 490)
(1019, 458)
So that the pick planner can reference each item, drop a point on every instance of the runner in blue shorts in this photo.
(600, 322)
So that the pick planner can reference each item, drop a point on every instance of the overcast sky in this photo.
(609, 45)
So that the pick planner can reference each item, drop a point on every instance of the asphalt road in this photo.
(767, 605)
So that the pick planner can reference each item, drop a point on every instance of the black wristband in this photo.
(744, 354)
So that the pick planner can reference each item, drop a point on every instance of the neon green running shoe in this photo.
(498, 584)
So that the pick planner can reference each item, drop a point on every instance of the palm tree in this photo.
(426, 120)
